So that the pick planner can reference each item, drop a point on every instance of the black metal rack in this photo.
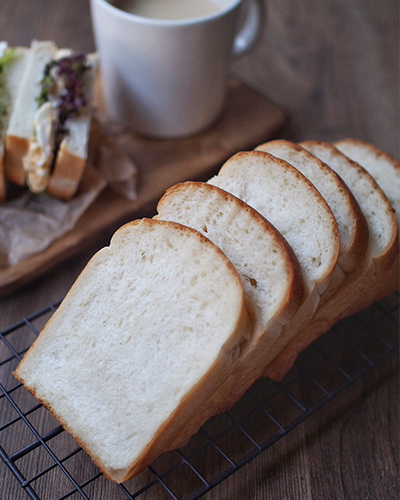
(34, 446)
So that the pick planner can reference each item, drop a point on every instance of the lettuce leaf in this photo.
(5, 60)
(7, 57)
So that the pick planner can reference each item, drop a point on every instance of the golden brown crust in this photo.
(15, 150)
(66, 176)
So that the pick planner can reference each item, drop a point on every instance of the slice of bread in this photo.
(20, 129)
(361, 286)
(351, 222)
(270, 274)
(138, 345)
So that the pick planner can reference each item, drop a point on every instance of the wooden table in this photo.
(333, 66)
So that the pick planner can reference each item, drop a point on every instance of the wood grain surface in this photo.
(333, 66)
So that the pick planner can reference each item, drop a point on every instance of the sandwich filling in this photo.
(62, 96)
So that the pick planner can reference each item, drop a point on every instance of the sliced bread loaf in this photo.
(139, 343)
(270, 274)
(360, 288)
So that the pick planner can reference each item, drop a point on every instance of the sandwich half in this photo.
(12, 63)
(47, 137)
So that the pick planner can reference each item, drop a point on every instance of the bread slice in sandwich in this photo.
(12, 64)
(298, 211)
(385, 169)
(360, 288)
(139, 343)
(270, 274)
(21, 132)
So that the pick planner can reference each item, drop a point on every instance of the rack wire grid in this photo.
(48, 463)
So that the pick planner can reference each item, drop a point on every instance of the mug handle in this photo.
(251, 28)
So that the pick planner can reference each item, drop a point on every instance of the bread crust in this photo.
(15, 150)
(66, 176)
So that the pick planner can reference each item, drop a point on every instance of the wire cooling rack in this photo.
(48, 464)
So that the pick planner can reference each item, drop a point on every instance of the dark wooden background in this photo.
(333, 66)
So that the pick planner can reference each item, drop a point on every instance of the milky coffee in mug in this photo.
(170, 9)
(164, 77)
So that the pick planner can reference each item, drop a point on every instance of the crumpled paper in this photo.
(29, 223)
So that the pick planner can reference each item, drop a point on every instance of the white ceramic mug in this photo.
(165, 78)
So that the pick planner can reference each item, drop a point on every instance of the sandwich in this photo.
(12, 63)
(47, 135)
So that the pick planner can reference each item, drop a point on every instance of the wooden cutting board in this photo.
(248, 120)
